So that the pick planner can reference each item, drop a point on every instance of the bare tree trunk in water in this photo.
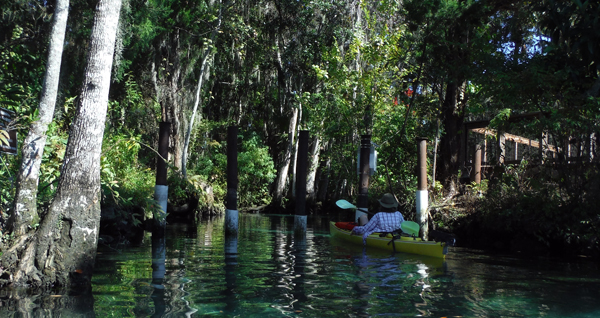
(62, 251)
(25, 214)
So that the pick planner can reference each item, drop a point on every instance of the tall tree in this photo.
(451, 52)
(25, 215)
(207, 55)
(63, 248)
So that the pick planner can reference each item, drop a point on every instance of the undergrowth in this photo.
(555, 209)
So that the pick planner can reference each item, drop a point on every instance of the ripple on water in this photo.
(274, 274)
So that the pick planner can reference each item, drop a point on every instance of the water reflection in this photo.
(231, 263)
(59, 302)
(299, 251)
(158, 274)
(267, 271)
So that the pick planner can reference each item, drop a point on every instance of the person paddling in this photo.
(388, 220)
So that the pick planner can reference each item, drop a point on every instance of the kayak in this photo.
(405, 244)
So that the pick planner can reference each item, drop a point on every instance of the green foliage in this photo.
(475, 191)
(131, 113)
(8, 169)
(379, 68)
(540, 205)
(500, 119)
(52, 160)
(126, 184)
(255, 173)
(22, 46)
(195, 187)
(3, 137)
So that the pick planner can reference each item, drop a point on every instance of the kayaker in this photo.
(388, 220)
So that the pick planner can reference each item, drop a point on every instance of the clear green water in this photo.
(275, 275)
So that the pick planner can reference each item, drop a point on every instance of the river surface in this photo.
(274, 274)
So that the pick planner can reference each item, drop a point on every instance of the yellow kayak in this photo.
(402, 244)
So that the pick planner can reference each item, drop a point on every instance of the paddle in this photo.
(343, 204)
(411, 228)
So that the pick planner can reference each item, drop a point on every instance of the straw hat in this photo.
(388, 201)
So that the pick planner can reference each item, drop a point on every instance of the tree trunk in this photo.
(311, 188)
(204, 68)
(188, 134)
(25, 215)
(282, 174)
(295, 156)
(325, 173)
(450, 146)
(284, 87)
(166, 78)
(63, 249)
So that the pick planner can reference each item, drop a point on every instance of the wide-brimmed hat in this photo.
(388, 201)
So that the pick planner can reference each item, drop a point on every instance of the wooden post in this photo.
(231, 211)
(422, 193)
(484, 158)
(161, 189)
(567, 148)
(464, 141)
(544, 147)
(363, 190)
(301, 171)
(476, 173)
(591, 148)
(501, 148)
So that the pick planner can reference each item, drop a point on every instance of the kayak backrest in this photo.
(411, 228)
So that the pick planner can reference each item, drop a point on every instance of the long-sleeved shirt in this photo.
(381, 222)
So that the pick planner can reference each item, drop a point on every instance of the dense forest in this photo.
(395, 70)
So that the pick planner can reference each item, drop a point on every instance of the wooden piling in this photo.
(501, 148)
(363, 190)
(231, 211)
(301, 172)
(476, 172)
(422, 195)
(161, 189)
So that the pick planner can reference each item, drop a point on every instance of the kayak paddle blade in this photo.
(345, 204)
(410, 228)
